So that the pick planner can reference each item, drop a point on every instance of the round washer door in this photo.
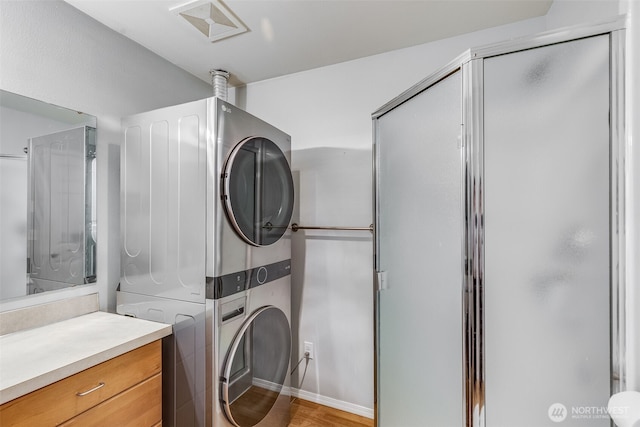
(256, 367)
(258, 191)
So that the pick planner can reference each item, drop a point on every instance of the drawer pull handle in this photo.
(84, 393)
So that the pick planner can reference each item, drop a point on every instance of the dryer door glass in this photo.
(258, 191)
(256, 367)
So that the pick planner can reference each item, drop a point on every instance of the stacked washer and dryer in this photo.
(206, 202)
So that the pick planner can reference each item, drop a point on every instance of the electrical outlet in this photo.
(308, 348)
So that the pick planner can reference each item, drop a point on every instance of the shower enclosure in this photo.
(498, 206)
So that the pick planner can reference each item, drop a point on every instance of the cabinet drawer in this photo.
(60, 401)
(139, 406)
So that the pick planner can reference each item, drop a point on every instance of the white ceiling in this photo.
(288, 36)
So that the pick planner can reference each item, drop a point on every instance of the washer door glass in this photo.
(256, 367)
(258, 191)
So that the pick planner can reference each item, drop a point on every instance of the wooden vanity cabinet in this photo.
(123, 391)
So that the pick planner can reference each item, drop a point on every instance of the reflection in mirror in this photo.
(47, 197)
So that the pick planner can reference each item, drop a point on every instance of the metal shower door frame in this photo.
(472, 187)
(473, 245)
(473, 72)
(380, 279)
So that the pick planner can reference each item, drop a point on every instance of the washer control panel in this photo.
(229, 284)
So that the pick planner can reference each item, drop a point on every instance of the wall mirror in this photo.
(47, 197)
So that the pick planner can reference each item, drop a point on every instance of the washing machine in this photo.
(206, 202)
(251, 351)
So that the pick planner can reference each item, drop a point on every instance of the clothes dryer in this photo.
(249, 199)
(207, 193)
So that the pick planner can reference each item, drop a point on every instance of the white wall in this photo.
(632, 8)
(564, 13)
(52, 52)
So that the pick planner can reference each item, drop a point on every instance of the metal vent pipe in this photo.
(219, 80)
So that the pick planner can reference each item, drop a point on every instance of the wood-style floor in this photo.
(309, 414)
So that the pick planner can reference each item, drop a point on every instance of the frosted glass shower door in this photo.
(547, 235)
(419, 237)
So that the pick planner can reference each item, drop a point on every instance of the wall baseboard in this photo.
(333, 403)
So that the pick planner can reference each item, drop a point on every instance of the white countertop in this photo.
(35, 358)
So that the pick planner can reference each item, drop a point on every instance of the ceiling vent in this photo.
(211, 18)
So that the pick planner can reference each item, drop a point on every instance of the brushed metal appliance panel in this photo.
(163, 202)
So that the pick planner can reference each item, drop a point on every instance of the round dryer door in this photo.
(256, 367)
(258, 191)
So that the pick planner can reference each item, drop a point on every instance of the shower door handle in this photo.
(381, 278)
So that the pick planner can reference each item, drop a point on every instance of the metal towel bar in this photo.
(296, 227)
